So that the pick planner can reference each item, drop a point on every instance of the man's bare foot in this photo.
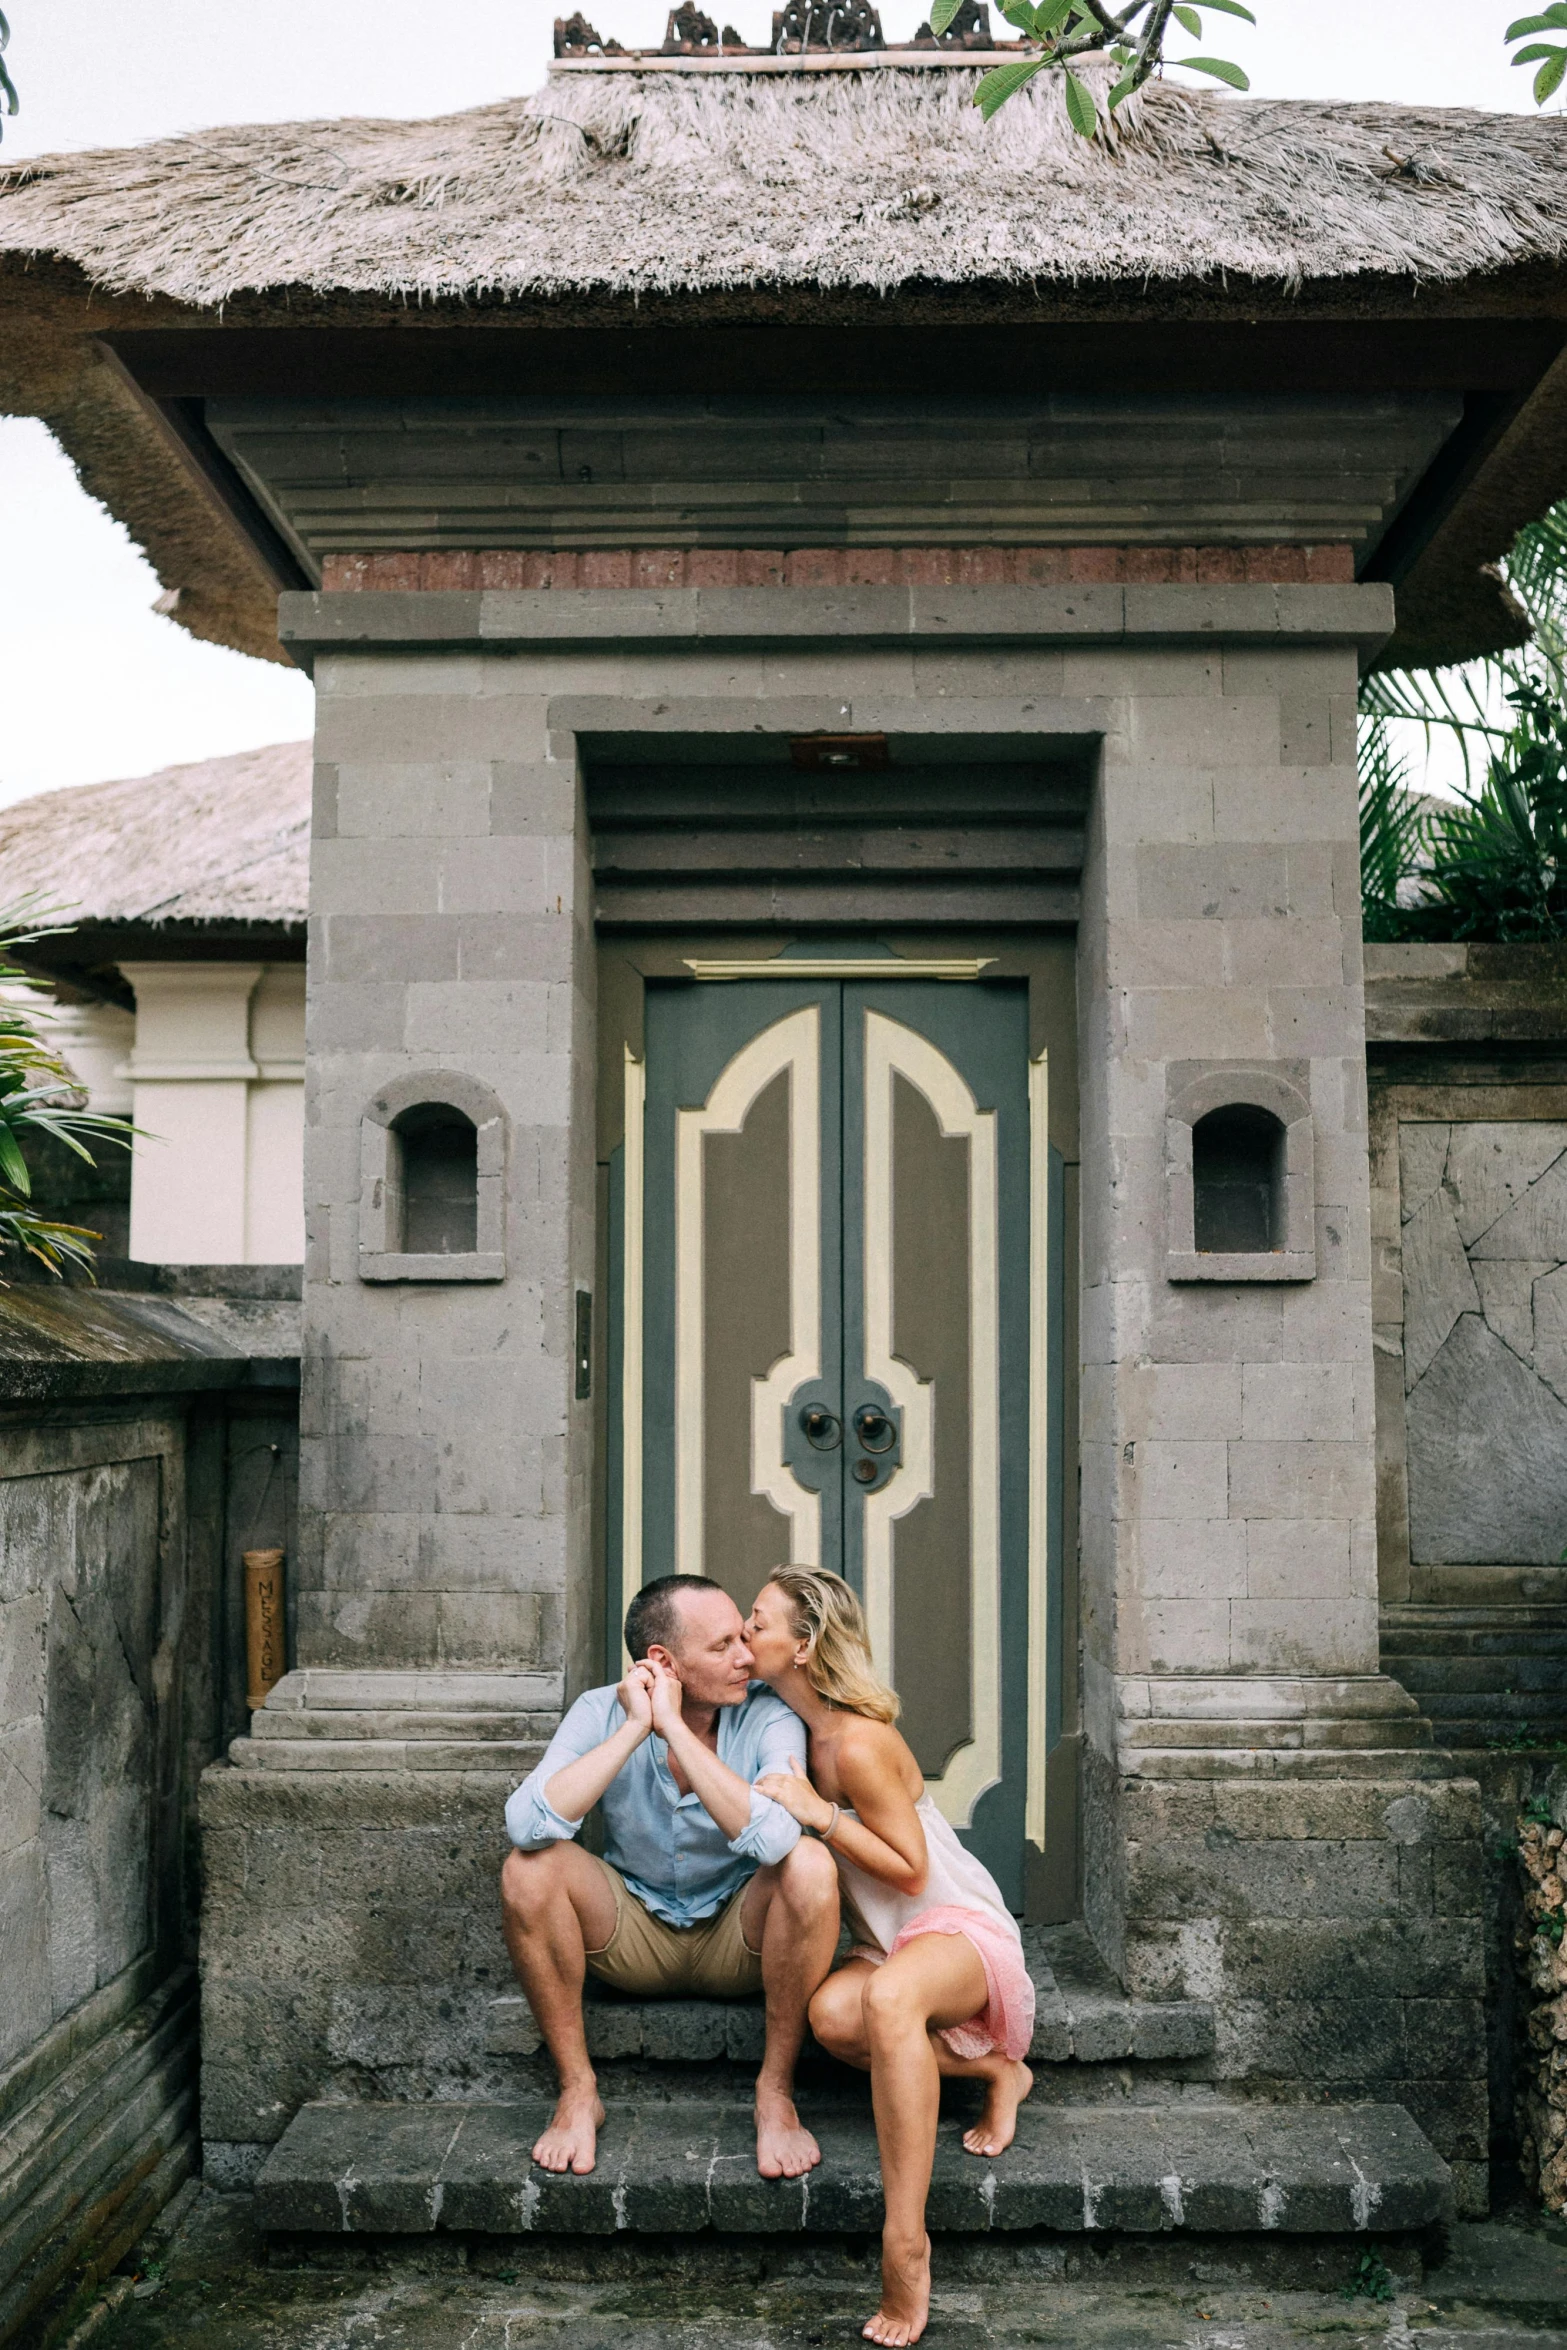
(571, 2141)
(905, 2296)
(785, 2148)
(1005, 2090)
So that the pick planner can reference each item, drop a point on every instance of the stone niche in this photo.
(1484, 1215)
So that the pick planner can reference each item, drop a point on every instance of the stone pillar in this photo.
(1248, 1768)
(444, 1460)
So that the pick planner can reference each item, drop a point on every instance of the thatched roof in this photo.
(662, 181)
(639, 199)
(223, 842)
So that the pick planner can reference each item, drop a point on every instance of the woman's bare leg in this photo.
(936, 1979)
(1007, 2082)
(838, 2020)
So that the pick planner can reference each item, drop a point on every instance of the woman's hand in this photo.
(798, 1797)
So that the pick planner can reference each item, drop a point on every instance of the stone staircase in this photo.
(1123, 2132)
(1081, 2017)
(1486, 1676)
(685, 2167)
(425, 2082)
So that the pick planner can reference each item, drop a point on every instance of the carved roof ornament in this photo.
(969, 29)
(691, 34)
(804, 25)
(575, 37)
(800, 28)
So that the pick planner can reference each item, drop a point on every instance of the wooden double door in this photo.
(829, 1332)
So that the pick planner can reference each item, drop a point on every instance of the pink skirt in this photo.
(1006, 2021)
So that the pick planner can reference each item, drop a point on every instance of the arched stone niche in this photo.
(1240, 1184)
(432, 1166)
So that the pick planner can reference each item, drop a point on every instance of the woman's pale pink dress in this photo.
(960, 1897)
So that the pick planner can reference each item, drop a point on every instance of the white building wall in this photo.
(217, 1073)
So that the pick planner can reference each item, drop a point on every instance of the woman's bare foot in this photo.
(571, 2141)
(1005, 2091)
(905, 2295)
(785, 2148)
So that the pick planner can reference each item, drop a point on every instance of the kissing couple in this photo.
(725, 1741)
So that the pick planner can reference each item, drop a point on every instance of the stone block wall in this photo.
(351, 1945)
(1337, 1926)
(120, 1527)
(444, 1468)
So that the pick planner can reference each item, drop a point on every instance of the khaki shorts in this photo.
(648, 1956)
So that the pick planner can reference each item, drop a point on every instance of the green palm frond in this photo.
(1392, 830)
(1489, 862)
(39, 1096)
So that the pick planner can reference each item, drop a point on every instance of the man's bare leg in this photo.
(556, 1905)
(791, 1915)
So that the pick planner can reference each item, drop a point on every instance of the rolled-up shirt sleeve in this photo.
(531, 1819)
(771, 1832)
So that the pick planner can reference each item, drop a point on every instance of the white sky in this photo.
(94, 684)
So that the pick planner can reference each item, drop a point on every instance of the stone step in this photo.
(1254, 1764)
(1411, 1649)
(1082, 2016)
(1501, 1705)
(416, 1753)
(675, 2169)
(1438, 1678)
(1477, 1615)
(454, 1728)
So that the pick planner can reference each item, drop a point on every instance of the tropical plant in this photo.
(8, 98)
(1133, 39)
(38, 1097)
(1493, 862)
(1392, 832)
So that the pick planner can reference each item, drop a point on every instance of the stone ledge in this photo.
(420, 1753)
(491, 619)
(1082, 2016)
(343, 2169)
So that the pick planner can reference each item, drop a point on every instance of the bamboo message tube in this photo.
(263, 1623)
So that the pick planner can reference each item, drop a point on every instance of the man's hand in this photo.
(798, 1797)
(667, 1697)
(636, 1696)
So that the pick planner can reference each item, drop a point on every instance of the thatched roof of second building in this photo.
(218, 851)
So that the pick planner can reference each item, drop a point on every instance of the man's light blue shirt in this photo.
(668, 1847)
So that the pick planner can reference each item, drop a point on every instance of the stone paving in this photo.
(206, 2284)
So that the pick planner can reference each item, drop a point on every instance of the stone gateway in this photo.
(837, 1033)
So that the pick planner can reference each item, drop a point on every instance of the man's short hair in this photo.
(653, 1617)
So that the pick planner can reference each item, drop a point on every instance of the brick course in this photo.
(720, 567)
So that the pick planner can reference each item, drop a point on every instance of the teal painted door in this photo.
(824, 1224)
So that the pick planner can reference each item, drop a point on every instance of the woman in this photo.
(936, 1983)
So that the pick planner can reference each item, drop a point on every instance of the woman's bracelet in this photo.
(826, 1835)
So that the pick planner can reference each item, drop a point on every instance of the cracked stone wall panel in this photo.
(1549, 1322)
(98, 1532)
(1422, 1158)
(1438, 1284)
(72, 1885)
(1487, 1457)
(27, 2010)
(1534, 1224)
(1507, 1299)
(29, 1533)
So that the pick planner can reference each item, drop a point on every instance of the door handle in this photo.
(822, 1429)
(876, 1431)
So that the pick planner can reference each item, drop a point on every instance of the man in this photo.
(707, 1889)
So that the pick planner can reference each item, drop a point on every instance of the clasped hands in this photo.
(651, 1698)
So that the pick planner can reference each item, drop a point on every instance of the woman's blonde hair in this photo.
(839, 1668)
